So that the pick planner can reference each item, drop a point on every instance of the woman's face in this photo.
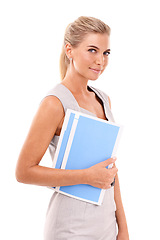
(90, 57)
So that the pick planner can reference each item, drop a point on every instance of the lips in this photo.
(95, 70)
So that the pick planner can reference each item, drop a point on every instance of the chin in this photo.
(93, 78)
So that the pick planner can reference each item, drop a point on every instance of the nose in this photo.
(100, 59)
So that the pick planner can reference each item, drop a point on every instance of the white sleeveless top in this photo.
(68, 218)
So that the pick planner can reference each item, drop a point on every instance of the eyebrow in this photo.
(98, 48)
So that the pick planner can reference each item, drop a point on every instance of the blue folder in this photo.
(85, 141)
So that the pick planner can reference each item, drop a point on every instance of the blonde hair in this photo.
(75, 33)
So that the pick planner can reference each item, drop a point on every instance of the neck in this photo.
(76, 83)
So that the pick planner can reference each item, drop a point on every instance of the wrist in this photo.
(84, 176)
(79, 176)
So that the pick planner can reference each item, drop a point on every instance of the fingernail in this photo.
(110, 166)
(114, 158)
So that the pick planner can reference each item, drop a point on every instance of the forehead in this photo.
(100, 40)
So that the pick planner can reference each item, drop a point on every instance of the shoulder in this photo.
(52, 99)
(52, 107)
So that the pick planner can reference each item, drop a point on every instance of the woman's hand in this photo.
(101, 177)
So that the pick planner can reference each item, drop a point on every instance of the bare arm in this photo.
(120, 214)
(45, 123)
(43, 128)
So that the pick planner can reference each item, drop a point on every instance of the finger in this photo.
(107, 186)
(109, 161)
(110, 166)
(113, 171)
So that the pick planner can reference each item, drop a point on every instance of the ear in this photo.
(68, 50)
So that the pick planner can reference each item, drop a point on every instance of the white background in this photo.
(30, 44)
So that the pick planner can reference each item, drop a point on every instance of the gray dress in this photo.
(71, 219)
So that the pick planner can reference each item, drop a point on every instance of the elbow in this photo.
(21, 175)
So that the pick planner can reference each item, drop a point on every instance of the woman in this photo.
(84, 57)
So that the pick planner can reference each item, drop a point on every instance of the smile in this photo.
(95, 70)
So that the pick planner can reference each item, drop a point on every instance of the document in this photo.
(85, 141)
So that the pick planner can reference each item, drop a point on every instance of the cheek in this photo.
(105, 65)
(82, 61)
(85, 58)
(106, 62)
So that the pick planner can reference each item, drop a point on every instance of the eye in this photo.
(107, 53)
(92, 50)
